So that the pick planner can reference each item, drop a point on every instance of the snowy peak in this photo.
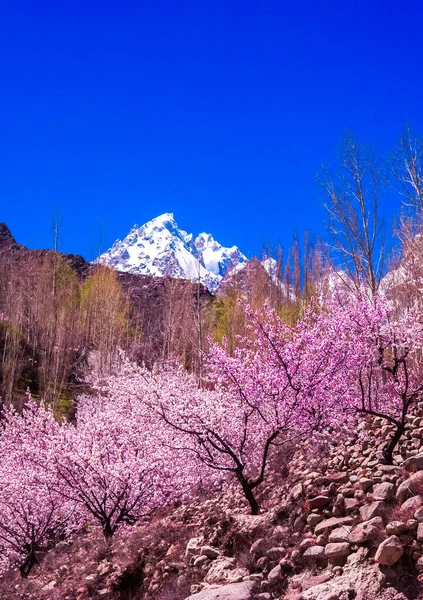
(161, 248)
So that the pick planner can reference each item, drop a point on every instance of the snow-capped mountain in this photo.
(161, 248)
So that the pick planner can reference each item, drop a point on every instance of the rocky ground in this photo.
(336, 524)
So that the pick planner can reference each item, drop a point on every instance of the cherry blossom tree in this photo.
(281, 383)
(32, 512)
(386, 348)
(107, 467)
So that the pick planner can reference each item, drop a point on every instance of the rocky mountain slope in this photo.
(161, 248)
(337, 524)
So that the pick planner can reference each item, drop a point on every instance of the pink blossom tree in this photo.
(107, 467)
(32, 512)
(386, 349)
(281, 383)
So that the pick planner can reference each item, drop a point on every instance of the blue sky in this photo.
(220, 111)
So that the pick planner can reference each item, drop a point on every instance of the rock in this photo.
(297, 491)
(410, 487)
(418, 515)
(384, 491)
(210, 552)
(220, 570)
(193, 547)
(420, 532)
(318, 502)
(328, 524)
(414, 463)
(314, 519)
(49, 586)
(275, 574)
(337, 550)
(315, 552)
(200, 560)
(329, 478)
(351, 504)
(233, 591)
(396, 528)
(409, 507)
(389, 551)
(276, 553)
(340, 534)
(258, 548)
(364, 532)
(365, 483)
(375, 509)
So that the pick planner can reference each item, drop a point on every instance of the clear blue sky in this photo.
(220, 111)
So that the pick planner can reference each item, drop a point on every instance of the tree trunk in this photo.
(249, 496)
(390, 447)
(28, 563)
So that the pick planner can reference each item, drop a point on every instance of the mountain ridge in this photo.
(161, 248)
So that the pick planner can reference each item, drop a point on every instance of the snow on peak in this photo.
(160, 248)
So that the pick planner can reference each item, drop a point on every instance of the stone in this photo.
(420, 532)
(375, 509)
(396, 528)
(364, 532)
(314, 519)
(275, 574)
(389, 551)
(210, 552)
(315, 552)
(409, 507)
(233, 591)
(340, 534)
(276, 553)
(318, 502)
(418, 515)
(414, 463)
(193, 547)
(297, 491)
(351, 504)
(258, 548)
(384, 491)
(198, 561)
(328, 524)
(49, 586)
(220, 570)
(365, 483)
(337, 550)
(329, 478)
(410, 487)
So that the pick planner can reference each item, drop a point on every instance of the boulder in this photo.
(409, 507)
(337, 550)
(396, 528)
(384, 491)
(389, 551)
(275, 574)
(328, 524)
(340, 534)
(414, 463)
(233, 591)
(375, 509)
(258, 548)
(210, 552)
(315, 552)
(318, 502)
(364, 532)
(193, 547)
(410, 487)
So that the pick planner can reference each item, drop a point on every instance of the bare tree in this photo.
(355, 224)
(406, 165)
